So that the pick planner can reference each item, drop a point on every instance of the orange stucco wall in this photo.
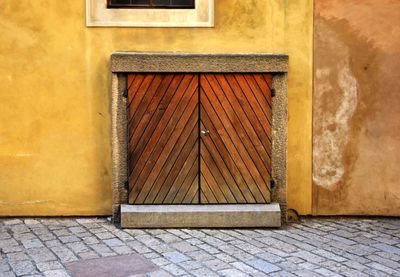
(55, 154)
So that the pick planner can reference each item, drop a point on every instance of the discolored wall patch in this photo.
(356, 108)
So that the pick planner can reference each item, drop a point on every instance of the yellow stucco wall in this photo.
(55, 154)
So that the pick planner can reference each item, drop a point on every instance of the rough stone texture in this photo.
(180, 62)
(312, 247)
(185, 62)
(356, 134)
(119, 141)
(280, 140)
(200, 216)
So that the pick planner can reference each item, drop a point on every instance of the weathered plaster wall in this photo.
(357, 107)
(55, 95)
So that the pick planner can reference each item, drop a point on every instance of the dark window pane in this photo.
(152, 4)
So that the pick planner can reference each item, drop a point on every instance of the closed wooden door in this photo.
(199, 138)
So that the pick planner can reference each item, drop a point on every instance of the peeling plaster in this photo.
(329, 167)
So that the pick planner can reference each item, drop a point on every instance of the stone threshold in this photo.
(201, 216)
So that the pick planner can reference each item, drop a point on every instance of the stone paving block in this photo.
(243, 267)
(151, 255)
(18, 256)
(138, 247)
(8, 243)
(327, 272)
(225, 258)
(202, 272)
(12, 222)
(8, 274)
(263, 266)
(176, 257)
(41, 254)
(122, 250)
(67, 239)
(77, 247)
(184, 246)
(64, 254)
(12, 249)
(23, 268)
(104, 235)
(56, 273)
(200, 255)
(191, 265)
(88, 255)
(175, 270)
(102, 249)
(232, 273)
(306, 273)
(387, 248)
(113, 242)
(160, 261)
(47, 266)
(216, 264)
(329, 255)
(382, 268)
(265, 255)
(53, 243)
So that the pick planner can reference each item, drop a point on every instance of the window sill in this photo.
(97, 15)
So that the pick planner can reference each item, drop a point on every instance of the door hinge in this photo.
(126, 185)
(125, 93)
(272, 184)
(273, 92)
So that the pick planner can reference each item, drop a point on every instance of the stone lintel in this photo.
(202, 63)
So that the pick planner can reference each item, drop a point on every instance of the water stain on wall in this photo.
(356, 137)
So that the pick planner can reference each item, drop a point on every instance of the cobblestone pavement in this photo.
(313, 247)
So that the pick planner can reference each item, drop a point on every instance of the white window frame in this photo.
(97, 15)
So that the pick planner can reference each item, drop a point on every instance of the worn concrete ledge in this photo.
(189, 62)
(201, 216)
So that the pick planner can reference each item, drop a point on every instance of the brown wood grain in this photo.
(170, 162)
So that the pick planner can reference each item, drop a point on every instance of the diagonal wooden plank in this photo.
(264, 81)
(187, 165)
(164, 146)
(210, 118)
(207, 192)
(161, 96)
(165, 126)
(213, 175)
(174, 162)
(223, 115)
(135, 85)
(150, 102)
(225, 164)
(263, 97)
(242, 124)
(189, 194)
(144, 95)
(143, 133)
(247, 100)
(212, 184)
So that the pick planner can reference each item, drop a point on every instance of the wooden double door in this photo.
(199, 138)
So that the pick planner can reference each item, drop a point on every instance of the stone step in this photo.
(201, 216)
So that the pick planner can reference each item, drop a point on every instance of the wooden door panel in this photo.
(235, 118)
(163, 145)
(170, 162)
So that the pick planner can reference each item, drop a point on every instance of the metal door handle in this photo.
(205, 132)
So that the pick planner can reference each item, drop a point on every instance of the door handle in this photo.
(205, 132)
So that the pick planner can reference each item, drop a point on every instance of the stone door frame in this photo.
(123, 63)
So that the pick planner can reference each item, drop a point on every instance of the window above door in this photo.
(150, 13)
(151, 4)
